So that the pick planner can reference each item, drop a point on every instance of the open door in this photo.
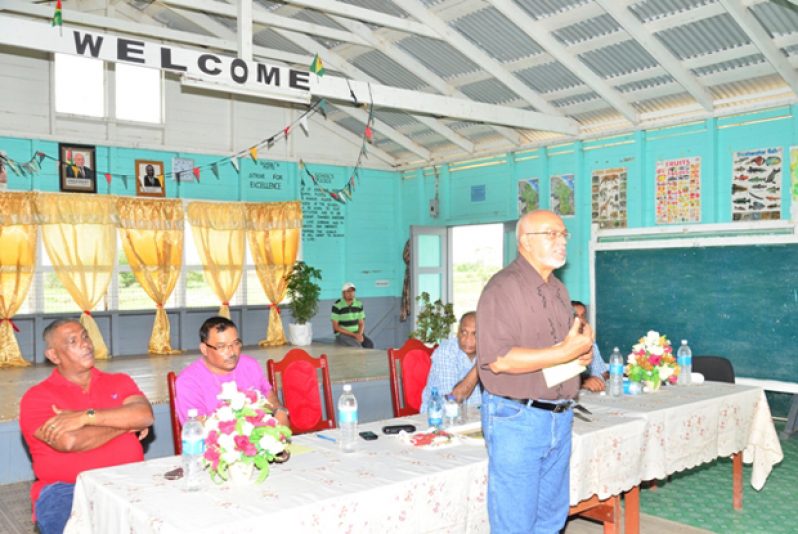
(429, 258)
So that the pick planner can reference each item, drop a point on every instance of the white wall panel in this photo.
(24, 91)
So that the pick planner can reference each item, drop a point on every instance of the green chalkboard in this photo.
(740, 302)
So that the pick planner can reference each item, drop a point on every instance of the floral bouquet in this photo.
(652, 361)
(243, 431)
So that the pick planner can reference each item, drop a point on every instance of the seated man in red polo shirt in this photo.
(77, 419)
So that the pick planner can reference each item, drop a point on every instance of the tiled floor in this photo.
(702, 497)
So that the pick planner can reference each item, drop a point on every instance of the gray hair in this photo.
(55, 325)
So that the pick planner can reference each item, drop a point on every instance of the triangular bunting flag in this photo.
(286, 131)
(369, 133)
(196, 171)
(301, 164)
(270, 142)
(58, 18)
(316, 66)
(34, 164)
(40, 156)
(13, 166)
(323, 107)
(303, 122)
(234, 163)
(108, 178)
(253, 153)
(215, 170)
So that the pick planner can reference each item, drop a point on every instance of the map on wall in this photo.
(678, 194)
(562, 195)
(528, 195)
(794, 172)
(756, 184)
(609, 197)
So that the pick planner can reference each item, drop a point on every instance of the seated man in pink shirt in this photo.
(199, 383)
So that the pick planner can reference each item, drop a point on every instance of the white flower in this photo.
(229, 389)
(665, 371)
(210, 425)
(238, 400)
(226, 442)
(231, 456)
(652, 338)
(225, 413)
(246, 428)
(631, 358)
(656, 350)
(269, 443)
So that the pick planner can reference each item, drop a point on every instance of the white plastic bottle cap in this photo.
(192, 412)
(616, 348)
(684, 342)
(347, 388)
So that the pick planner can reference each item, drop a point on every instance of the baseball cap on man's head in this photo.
(347, 286)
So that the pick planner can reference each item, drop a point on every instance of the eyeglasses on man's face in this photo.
(552, 235)
(234, 346)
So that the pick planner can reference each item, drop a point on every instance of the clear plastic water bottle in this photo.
(451, 411)
(684, 357)
(616, 373)
(193, 438)
(435, 409)
(347, 419)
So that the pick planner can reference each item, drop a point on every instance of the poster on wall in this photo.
(149, 178)
(756, 184)
(183, 169)
(794, 173)
(76, 168)
(609, 197)
(528, 195)
(562, 195)
(678, 193)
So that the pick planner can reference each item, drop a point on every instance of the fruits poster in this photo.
(678, 191)
(609, 197)
(756, 184)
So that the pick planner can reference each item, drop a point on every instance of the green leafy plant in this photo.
(303, 292)
(434, 320)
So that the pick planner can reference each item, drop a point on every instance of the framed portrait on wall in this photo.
(150, 181)
(76, 168)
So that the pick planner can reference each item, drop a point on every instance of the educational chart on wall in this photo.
(183, 169)
(756, 184)
(562, 195)
(609, 197)
(794, 172)
(322, 218)
(678, 194)
(528, 195)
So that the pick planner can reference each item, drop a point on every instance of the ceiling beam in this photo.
(366, 15)
(763, 42)
(654, 47)
(244, 22)
(538, 32)
(477, 55)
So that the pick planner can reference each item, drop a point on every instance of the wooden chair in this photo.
(177, 428)
(412, 361)
(298, 387)
(715, 368)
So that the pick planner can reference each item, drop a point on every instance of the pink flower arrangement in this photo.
(242, 429)
(651, 360)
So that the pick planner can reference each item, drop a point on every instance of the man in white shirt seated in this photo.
(453, 370)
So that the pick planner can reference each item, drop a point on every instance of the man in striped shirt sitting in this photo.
(349, 320)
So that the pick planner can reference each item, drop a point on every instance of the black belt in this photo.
(549, 406)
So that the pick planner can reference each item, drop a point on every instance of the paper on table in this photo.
(562, 372)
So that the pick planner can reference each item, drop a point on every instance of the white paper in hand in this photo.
(562, 372)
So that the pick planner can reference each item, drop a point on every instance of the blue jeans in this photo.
(529, 452)
(53, 507)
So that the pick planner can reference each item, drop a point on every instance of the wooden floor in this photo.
(346, 365)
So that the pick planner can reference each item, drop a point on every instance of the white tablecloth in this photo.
(688, 426)
(390, 486)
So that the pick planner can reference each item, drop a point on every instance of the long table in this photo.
(389, 485)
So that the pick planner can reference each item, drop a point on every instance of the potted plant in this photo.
(434, 320)
(303, 293)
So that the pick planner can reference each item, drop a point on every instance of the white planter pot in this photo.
(300, 335)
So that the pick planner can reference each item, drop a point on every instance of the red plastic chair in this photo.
(298, 387)
(413, 360)
(177, 428)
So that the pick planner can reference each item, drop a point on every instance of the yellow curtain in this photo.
(218, 230)
(273, 233)
(152, 238)
(79, 234)
(18, 232)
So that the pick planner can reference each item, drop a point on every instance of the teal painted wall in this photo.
(714, 140)
(359, 242)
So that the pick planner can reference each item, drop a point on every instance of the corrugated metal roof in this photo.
(491, 91)
(645, 84)
(271, 39)
(653, 9)
(575, 99)
(496, 34)
(777, 18)
(584, 30)
(732, 64)
(383, 6)
(704, 36)
(309, 15)
(438, 56)
(549, 77)
(387, 71)
(544, 8)
(395, 119)
(617, 59)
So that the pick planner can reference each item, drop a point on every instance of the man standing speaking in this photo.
(525, 324)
